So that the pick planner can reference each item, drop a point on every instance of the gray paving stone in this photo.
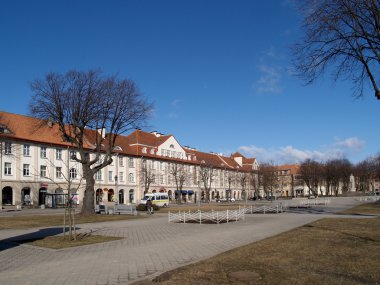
(151, 246)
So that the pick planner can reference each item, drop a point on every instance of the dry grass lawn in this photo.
(364, 209)
(329, 251)
(24, 222)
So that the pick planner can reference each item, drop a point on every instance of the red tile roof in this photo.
(35, 130)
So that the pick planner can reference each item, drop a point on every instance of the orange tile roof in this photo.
(31, 129)
(294, 168)
(35, 130)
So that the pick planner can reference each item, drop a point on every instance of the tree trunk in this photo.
(88, 207)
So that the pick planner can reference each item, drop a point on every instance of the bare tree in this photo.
(269, 176)
(180, 176)
(311, 172)
(242, 178)
(366, 172)
(206, 174)
(91, 110)
(256, 182)
(147, 175)
(229, 175)
(344, 35)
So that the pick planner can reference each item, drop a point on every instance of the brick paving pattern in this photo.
(150, 246)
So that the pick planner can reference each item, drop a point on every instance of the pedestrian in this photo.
(149, 206)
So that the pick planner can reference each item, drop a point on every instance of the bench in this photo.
(101, 209)
(125, 209)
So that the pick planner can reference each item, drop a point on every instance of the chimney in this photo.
(50, 122)
(157, 134)
(102, 132)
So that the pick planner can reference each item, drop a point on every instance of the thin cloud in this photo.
(288, 154)
(174, 105)
(269, 80)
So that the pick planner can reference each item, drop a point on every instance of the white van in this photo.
(159, 199)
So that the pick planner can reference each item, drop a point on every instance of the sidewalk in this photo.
(150, 246)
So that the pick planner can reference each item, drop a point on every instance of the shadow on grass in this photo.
(33, 236)
(322, 211)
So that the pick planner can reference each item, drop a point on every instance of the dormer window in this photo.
(4, 130)
(144, 150)
(152, 151)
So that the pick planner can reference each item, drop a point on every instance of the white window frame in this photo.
(7, 148)
(73, 173)
(98, 175)
(131, 162)
(131, 178)
(43, 152)
(26, 150)
(58, 154)
(43, 171)
(7, 168)
(26, 169)
(58, 172)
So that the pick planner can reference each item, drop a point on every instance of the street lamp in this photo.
(116, 191)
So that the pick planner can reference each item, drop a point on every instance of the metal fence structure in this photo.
(308, 203)
(277, 208)
(369, 198)
(214, 217)
(217, 217)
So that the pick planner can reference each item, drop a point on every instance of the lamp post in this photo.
(116, 191)
(199, 193)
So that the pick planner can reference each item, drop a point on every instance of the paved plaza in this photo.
(149, 247)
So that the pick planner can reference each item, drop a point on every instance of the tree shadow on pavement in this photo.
(40, 234)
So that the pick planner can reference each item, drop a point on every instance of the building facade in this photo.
(37, 168)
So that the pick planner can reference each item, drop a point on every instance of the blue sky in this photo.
(219, 72)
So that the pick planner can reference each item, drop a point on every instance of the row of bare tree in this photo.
(335, 174)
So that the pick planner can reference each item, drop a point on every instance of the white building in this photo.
(36, 167)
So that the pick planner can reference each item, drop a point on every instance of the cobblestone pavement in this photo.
(150, 246)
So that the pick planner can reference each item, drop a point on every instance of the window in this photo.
(98, 175)
(131, 177)
(152, 151)
(161, 179)
(8, 168)
(43, 152)
(58, 154)
(121, 161)
(8, 148)
(26, 150)
(153, 179)
(144, 150)
(73, 154)
(153, 165)
(131, 163)
(110, 176)
(162, 152)
(25, 170)
(172, 146)
(73, 173)
(121, 176)
(161, 165)
(58, 172)
(43, 170)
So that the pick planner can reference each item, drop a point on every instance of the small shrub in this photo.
(142, 207)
